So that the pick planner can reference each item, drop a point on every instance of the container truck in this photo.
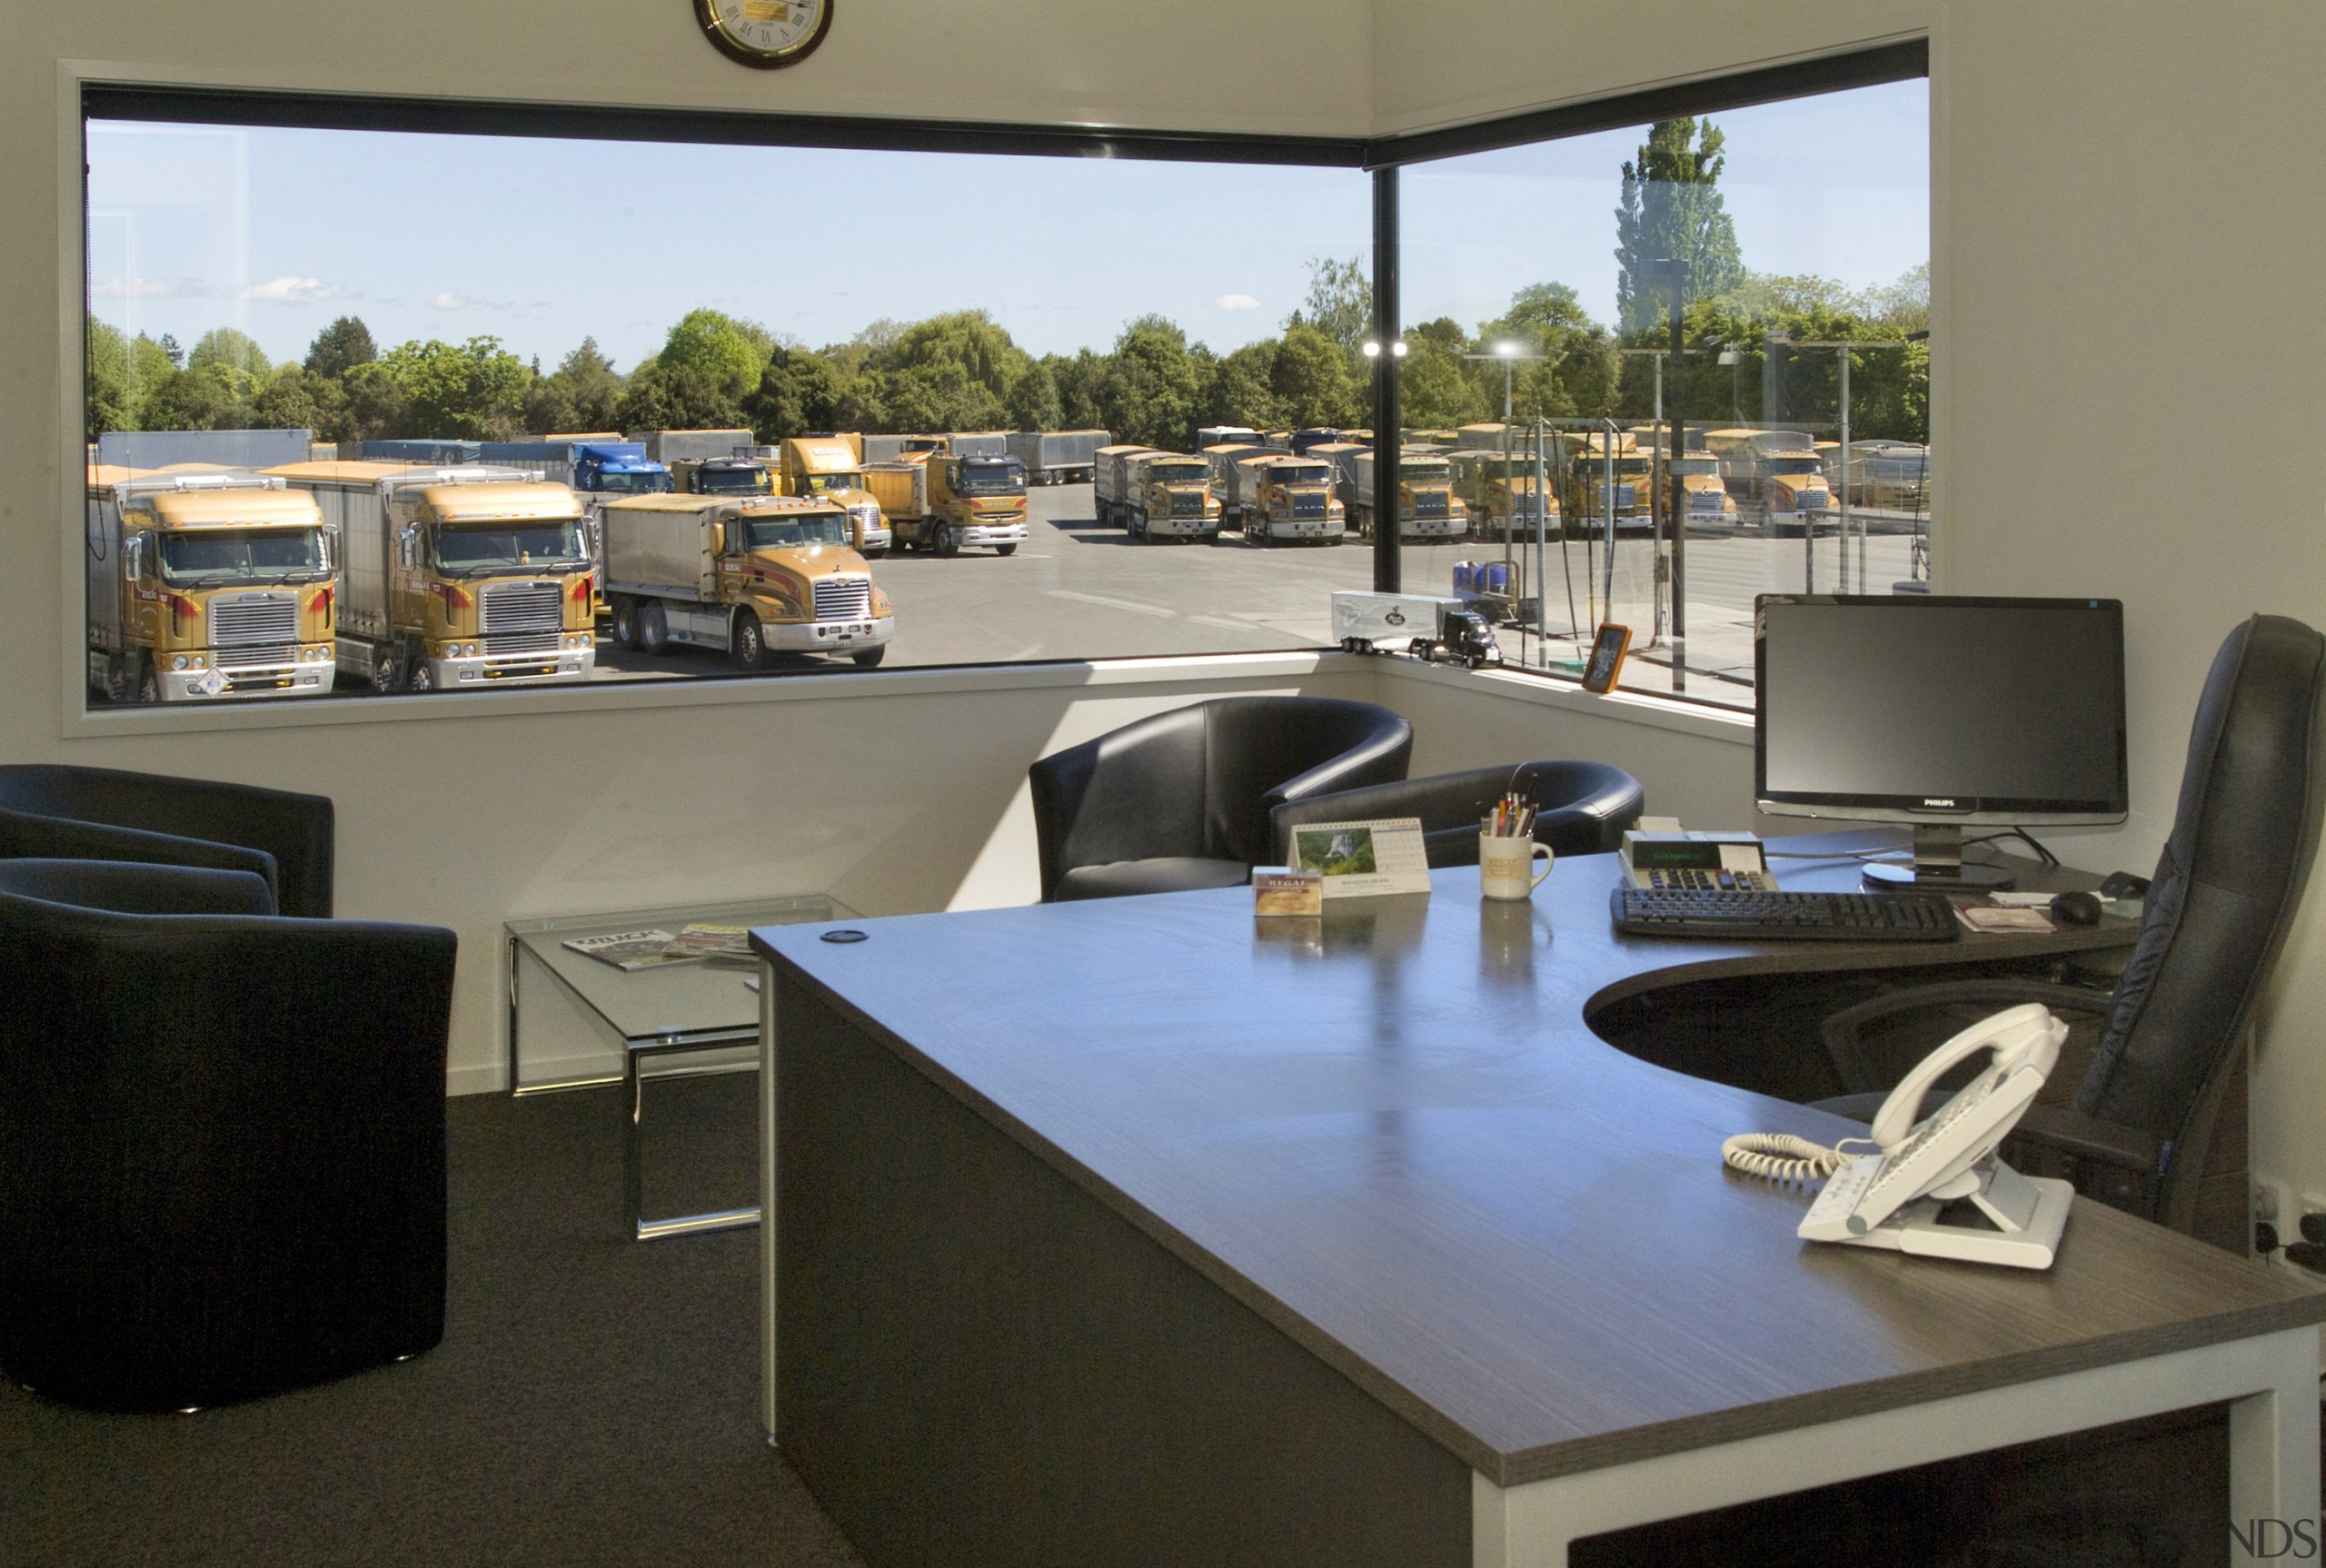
(455, 578)
(1159, 495)
(1427, 507)
(1588, 500)
(945, 504)
(1056, 456)
(1775, 477)
(977, 443)
(1440, 629)
(754, 579)
(206, 586)
(1279, 498)
(668, 446)
(1109, 486)
(735, 476)
(1504, 500)
(827, 465)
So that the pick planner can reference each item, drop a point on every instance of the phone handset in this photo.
(1932, 1156)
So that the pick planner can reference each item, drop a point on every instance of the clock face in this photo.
(765, 33)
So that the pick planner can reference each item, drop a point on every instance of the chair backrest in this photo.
(2226, 884)
(1262, 750)
(1582, 808)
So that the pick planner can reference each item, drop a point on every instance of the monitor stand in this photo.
(1937, 865)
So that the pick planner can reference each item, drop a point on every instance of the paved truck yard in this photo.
(1077, 591)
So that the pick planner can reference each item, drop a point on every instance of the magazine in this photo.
(731, 943)
(625, 950)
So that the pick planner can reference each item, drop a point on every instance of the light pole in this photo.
(1658, 505)
(1846, 345)
(1510, 354)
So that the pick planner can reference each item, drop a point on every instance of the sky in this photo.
(541, 243)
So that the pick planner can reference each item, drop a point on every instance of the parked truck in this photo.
(977, 443)
(206, 586)
(731, 476)
(1775, 476)
(1427, 507)
(1282, 498)
(945, 504)
(1157, 495)
(1056, 456)
(456, 578)
(1427, 625)
(1503, 495)
(1220, 460)
(754, 578)
(595, 469)
(670, 446)
(1213, 435)
(1588, 499)
(828, 466)
(875, 449)
(1108, 484)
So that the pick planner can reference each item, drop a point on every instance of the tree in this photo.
(1241, 389)
(1149, 394)
(665, 397)
(940, 395)
(110, 402)
(1339, 305)
(1033, 401)
(1671, 208)
(377, 408)
(341, 347)
(297, 399)
(961, 348)
(475, 392)
(232, 348)
(1080, 382)
(1435, 390)
(580, 394)
(1311, 378)
(728, 353)
(798, 392)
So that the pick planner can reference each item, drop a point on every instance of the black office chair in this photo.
(1581, 807)
(1181, 801)
(222, 1137)
(2225, 889)
(53, 810)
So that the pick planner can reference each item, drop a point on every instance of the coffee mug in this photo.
(1506, 866)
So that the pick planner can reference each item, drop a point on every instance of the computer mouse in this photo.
(2076, 908)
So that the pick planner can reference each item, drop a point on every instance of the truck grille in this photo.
(1310, 505)
(843, 599)
(523, 607)
(1430, 503)
(1186, 505)
(248, 617)
(251, 656)
(517, 644)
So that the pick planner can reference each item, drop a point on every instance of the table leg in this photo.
(634, 1157)
(767, 1210)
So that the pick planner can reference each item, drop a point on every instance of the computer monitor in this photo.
(1943, 712)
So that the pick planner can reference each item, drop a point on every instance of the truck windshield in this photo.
(1687, 466)
(1419, 472)
(786, 532)
(991, 476)
(732, 481)
(1793, 465)
(551, 543)
(1177, 473)
(823, 484)
(633, 483)
(242, 555)
(1300, 474)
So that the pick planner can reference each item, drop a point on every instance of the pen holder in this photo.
(1506, 866)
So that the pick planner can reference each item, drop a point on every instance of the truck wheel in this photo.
(749, 650)
(418, 677)
(869, 659)
(149, 683)
(946, 541)
(1005, 549)
(626, 621)
(653, 630)
(387, 673)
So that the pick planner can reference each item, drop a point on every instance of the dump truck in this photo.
(1699, 500)
(670, 446)
(946, 504)
(456, 578)
(1503, 499)
(1427, 507)
(1775, 476)
(735, 476)
(1427, 625)
(828, 466)
(1056, 456)
(754, 579)
(1585, 498)
(206, 586)
(1282, 498)
(1157, 495)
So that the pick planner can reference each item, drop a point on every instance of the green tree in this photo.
(580, 394)
(1033, 401)
(1081, 382)
(659, 396)
(297, 399)
(1435, 390)
(1148, 395)
(1241, 389)
(377, 408)
(111, 400)
(961, 348)
(1671, 208)
(341, 347)
(232, 348)
(798, 392)
(151, 372)
(727, 352)
(1339, 305)
(1312, 379)
(475, 392)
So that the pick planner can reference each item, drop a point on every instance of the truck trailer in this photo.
(670, 446)
(206, 586)
(456, 578)
(754, 578)
(1427, 625)
(1426, 506)
(1056, 456)
(945, 504)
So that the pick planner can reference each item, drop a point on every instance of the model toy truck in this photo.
(1281, 498)
(1427, 507)
(457, 577)
(946, 504)
(751, 578)
(204, 586)
(1159, 495)
(1503, 495)
(1056, 456)
(1775, 476)
(1442, 631)
(828, 466)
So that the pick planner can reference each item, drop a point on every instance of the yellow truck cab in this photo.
(1502, 493)
(1426, 506)
(1280, 497)
(754, 578)
(1699, 500)
(945, 502)
(832, 467)
(457, 578)
(205, 585)
(1588, 500)
(1167, 495)
(1775, 475)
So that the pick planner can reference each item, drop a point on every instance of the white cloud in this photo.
(151, 289)
(290, 291)
(448, 301)
(1235, 302)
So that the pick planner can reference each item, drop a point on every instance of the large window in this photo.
(1539, 287)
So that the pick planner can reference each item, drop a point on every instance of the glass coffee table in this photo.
(672, 1021)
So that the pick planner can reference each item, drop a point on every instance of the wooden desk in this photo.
(1140, 1232)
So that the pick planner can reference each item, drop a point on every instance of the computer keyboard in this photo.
(1813, 916)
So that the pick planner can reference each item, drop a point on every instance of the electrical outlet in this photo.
(2273, 1206)
(2311, 1203)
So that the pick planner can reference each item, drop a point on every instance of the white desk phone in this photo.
(1895, 1197)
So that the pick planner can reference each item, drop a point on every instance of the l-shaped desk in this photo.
(1143, 1232)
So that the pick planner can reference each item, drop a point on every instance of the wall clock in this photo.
(765, 33)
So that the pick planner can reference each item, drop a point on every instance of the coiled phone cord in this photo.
(1781, 1157)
